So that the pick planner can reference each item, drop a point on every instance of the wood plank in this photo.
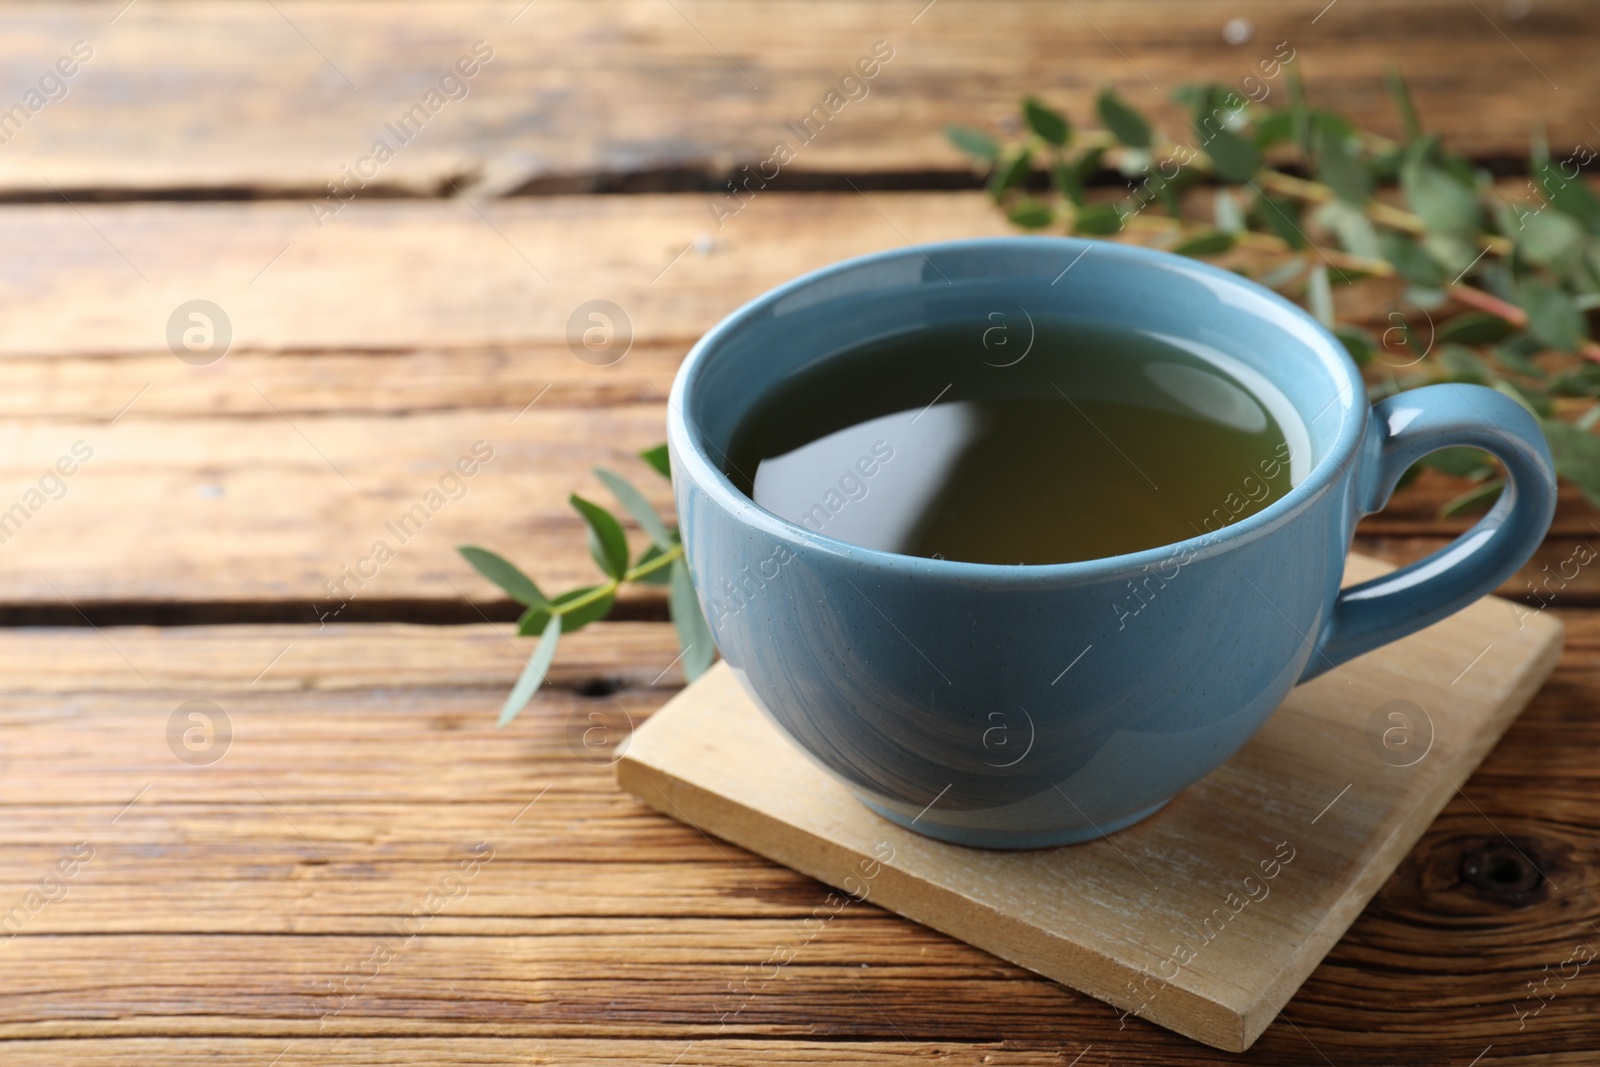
(597, 916)
(227, 483)
(489, 1050)
(713, 759)
(252, 99)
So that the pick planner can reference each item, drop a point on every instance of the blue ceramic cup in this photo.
(1113, 683)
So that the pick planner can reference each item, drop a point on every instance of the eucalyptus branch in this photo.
(1515, 281)
(662, 562)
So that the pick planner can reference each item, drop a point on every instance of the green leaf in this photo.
(1570, 196)
(1581, 381)
(1402, 103)
(1409, 258)
(1473, 328)
(656, 577)
(1319, 294)
(974, 143)
(503, 573)
(1283, 273)
(1577, 456)
(1070, 178)
(1048, 123)
(694, 636)
(1125, 124)
(1552, 316)
(1356, 232)
(1442, 202)
(1233, 158)
(607, 543)
(1461, 462)
(1098, 220)
(1281, 216)
(1275, 128)
(1547, 237)
(533, 674)
(658, 459)
(534, 620)
(1339, 163)
(1462, 364)
(1010, 173)
(636, 505)
(1208, 243)
(1512, 358)
(1477, 498)
(1031, 214)
(1358, 342)
(1225, 212)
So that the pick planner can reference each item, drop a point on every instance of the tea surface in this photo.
(1047, 442)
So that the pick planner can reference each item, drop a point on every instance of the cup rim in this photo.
(694, 464)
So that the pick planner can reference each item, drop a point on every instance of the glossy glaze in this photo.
(1026, 706)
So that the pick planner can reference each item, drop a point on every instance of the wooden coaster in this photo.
(1206, 917)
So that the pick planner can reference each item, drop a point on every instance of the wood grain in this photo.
(255, 480)
(262, 99)
(216, 904)
(714, 760)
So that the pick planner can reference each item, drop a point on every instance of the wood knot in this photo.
(1503, 871)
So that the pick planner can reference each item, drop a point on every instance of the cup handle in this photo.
(1402, 430)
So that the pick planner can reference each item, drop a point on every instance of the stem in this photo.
(600, 592)
(645, 569)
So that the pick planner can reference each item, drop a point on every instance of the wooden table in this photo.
(353, 866)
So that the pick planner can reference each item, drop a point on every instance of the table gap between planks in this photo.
(370, 873)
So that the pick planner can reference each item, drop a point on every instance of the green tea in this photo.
(1047, 442)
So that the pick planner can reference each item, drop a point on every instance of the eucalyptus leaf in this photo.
(1551, 315)
(636, 505)
(1408, 257)
(1568, 195)
(1125, 124)
(1282, 217)
(1319, 294)
(658, 459)
(504, 573)
(1275, 128)
(1232, 157)
(1402, 103)
(1461, 462)
(1011, 172)
(1473, 328)
(534, 620)
(1581, 381)
(1208, 243)
(1031, 214)
(1442, 202)
(607, 543)
(1478, 498)
(1547, 237)
(1356, 232)
(1339, 164)
(694, 636)
(1360, 343)
(1577, 456)
(1462, 364)
(974, 143)
(656, 577)
(1225, 212)
(1098, 220)
(1071, 178)
(533, 674)
(1045, 121)
(1283, 273)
